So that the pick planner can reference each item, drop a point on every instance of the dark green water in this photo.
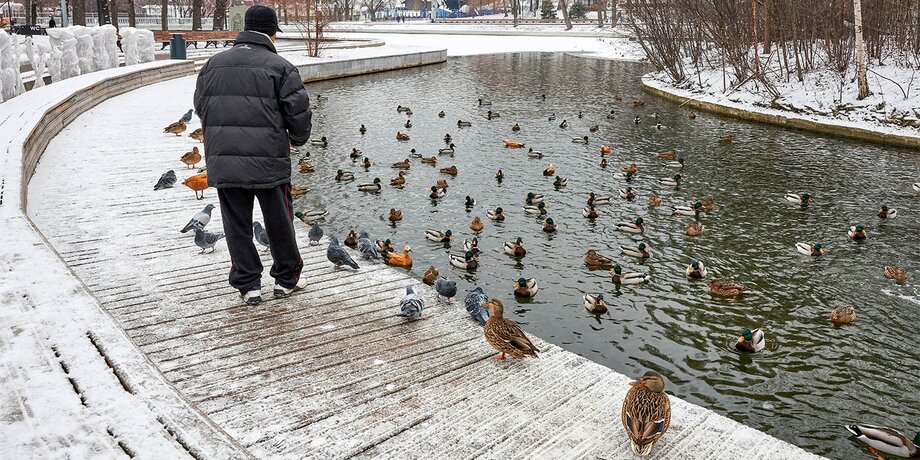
(812, 378)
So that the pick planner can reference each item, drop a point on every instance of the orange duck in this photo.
(395, 259)
(198, 183)
(513, 144)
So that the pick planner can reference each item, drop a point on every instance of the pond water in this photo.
(812, 378)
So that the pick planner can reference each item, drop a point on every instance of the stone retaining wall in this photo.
(364, 65)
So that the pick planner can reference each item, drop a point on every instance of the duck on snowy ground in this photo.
(646, 412)
(176, 128)
(505, 335)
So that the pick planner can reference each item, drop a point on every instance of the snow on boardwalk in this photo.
(330, 373)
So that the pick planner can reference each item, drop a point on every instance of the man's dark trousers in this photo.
(277, 211)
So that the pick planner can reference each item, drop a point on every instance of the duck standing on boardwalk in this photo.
(505, 335)
(646, 412)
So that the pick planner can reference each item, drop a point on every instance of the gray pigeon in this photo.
(367, 247)
(316, 233)
(206, 240)
(411, 306)
(199, 220)
(473, 302)
(188, 116)
(445, 288)
(260, 234)
(167, 180)
(338, 255)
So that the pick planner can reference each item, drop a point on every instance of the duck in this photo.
(311, 216)
(408, 124)
(726, 288)
(539, 208)
(886, 440)
(580, 140)
(355, 153)
(442, 184)
(630, 168)
(482, 103)
(751, 341)
(594, 303)
(467, 261)
(430, 275)
(726, 139)
(620, 278)
(595, 260)
(362, 130)
(469, 203)
(463, 124)
(691, 115)
(885, 213)
(606, 149)
(670, 181)
(627, 193)
(476, 225)
(176, 128)
(191, 158)
(695, 229)
(552, 117)
(550, 170)
(667, 155)
(654, 200)
(198, 183)
(548, 225)
(526, 288)
(438, 236)
(322, 142)
(449, 150)
(366, 164)
(305, 166)
(641, 251)
(344, 176)
(414, 154)
(843, 315)
(492, 115)
(437, 193)
(441, 114)
(297, 191)
(432, 160)
(810, 249)
(450, 170)
(515, 128)
(637, 120)
(658, 125)
(639, 103)
(604, 163)
(499, 175)
(197, 134)
(857, 232)
(916, 186)
(384, 246)
(505, 335)
(632, 227)
(594, 128)
(401, 137)
(696, 269)
(687, 210)
(372, 187)
(896, 273)
(395, 259)
(401, 109)
(472, 245)
(513, 144)
(646, 412)
(708, 204)
(447, 138)
(803, 198)
(564, 124)
(533, 198)
(611, 115)
(594, 200)
(560, 182)
(351, 240)
(589, 212)
(395, 215)
(534, 153)
(515, 248)
(408, 112)
(399, 180)
(497, 215)
(678, 164)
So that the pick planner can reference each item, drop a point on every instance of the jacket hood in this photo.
(255, 38)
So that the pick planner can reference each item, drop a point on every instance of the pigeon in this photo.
(411, 305)
(338, 255)
(167, 180)
(261, 235)
(206, 240)
(199, 220)
(188, 116)
(316, 234)
(445, 288)
(367, 247)
(474, 305)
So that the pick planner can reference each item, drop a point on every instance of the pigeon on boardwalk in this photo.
(367, 247)
(206, 240)
(167, 180)
(260, 234)
(338, 255)
(475, 302)
(316, 233)
(411, 305)
(445, 288)
(199, 220)
(188, 116)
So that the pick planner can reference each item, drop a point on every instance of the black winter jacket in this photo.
(252, 106)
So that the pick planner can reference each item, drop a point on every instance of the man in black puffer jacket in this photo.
(253, 107)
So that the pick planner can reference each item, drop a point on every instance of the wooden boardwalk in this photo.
(331, 372)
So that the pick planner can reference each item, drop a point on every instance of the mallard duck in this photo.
(533, 198)
(595, 200)
(896, 273)
(526, 288)
(482, 103)
(401, 137)
(447, 138)
(477, 224)
(595, 260)
(395, 259)
(688, 210)
(399, 180)
(355, 153)
(637, 120)
(472, 245)
(513, 144)
(176, 128)
(450, 170)
(632, 227)
(198, 183)
(594, 128)
(490, 115)
(469, 203)
(629, 277)
(344, 176)
(497, 215)
(560, 182)
(395, 215)
(679, 164)
(641, 251)
(646, 412)
(654, 200)
(843, 315)
(670, 181)
(726, 288)
(407, 124)
(751, 341)
(628, 176)
(580, 140)
(405, 164)
(351, 240)
(384, 246)
(515, 128)
(708, 204)
(408, 112)
(297, 191)
(312, 216)
(463, 124)
(604, 163)
(430, 275)
(552, 117)
(191, 158)
(804, 198)
(629, 168)
(414, 154)
(611, 115)
(916, 186)
(401, 109)
(438, 236)
(726, 139)
(442, 184)
(505, 335)
(197, 134)
(499, 175)
(627, 193)
(606, 149)
(564, 124)
(467, 261)
(589, 212)
(667, 155)
(885, 213)
(697, 270)
(695, 229)
(534, 153)
(432, 160)
(372, 187)
(638, 103)
(549, 226)
(366, 164)
(441, 114)
(595, 303)
(886, 440)
(810, 249)
(437, 193)
(857, 232)
(321, 142)
(550, 170)
(305, 166)
(691, 115)
(539, 208)
(515, 248)
(449, 150)
(362, 130)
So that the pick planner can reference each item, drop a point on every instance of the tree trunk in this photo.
(564, 5)
(514, 12)
(767, 26)
(613, 13)
(164, 18)
(196, 14)
(220, 14)
(860, 52)
(601, 10)
(79, 12)
(113, 13)
(132, 16)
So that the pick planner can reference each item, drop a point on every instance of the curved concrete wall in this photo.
(364, 65)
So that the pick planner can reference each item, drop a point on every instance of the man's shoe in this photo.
(281, 291)
(253, 297)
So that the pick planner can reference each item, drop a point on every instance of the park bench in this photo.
(210, 37)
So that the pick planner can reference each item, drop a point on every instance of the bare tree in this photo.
(220, 15)
(196, 14)
(372, 7)
(79, 12)
(860, 51)
(164, 16)
(564, 6)
(132, 15)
